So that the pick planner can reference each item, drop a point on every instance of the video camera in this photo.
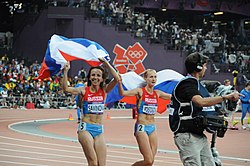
(227, 107)
(215, 121)
(212, 123)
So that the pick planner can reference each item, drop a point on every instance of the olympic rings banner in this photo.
(130, 59)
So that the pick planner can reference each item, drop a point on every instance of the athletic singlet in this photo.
(148, 103)
(93, 103)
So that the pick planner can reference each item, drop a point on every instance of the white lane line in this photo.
(136, 147)
(7, 120)
(32, 158)
(138, 154)
(113, 161)
(75, 157)
(19, 163)
(112, 156)
(68, 152)
(159, 158)
(40, 153)
(74, 151)
(40, 135)
(60, 145)
(43, 148)
(37, 142)
(57, 155)
(158, 161)
(113, 145)
(126, 146)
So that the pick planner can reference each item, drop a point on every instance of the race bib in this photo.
(96, 108)
(82, 126)
(140, 128)
(149, 109)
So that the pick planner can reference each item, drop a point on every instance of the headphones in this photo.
(199, 64)
(195, 61)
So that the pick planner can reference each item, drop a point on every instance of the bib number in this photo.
(140, 128)
(82, 126)
(149, 109)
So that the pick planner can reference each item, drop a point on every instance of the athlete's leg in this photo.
(101, 149)
(79, 114)
(248, 119)
(87, 142)
(153, 142)
(243, 114)
(145, 149)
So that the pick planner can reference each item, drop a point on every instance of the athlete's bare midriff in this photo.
(146, 119)
(93, 118)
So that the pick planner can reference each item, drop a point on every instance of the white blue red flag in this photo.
(166, 81)
(61, 50)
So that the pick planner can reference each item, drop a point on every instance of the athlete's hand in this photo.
(67, 66)
(103, 60)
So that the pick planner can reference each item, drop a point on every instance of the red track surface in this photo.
(23, 149)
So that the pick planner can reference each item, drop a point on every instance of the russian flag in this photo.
(61, 50)
(166, 81)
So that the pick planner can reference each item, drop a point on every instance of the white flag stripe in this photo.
(167, 75)
(131, 80)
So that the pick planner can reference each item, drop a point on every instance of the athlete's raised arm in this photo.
(65, 87)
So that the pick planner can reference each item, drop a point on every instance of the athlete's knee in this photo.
(93, 163)
(149, 162)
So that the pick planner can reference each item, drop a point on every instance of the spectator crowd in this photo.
(19, 86)
(223, 45)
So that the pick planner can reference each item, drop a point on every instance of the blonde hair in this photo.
(145, 74)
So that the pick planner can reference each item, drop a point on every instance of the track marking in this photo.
(115, 145)
(32, 158)
(70, 152)
(19, 163)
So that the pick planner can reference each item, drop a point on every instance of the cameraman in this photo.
(186, 104)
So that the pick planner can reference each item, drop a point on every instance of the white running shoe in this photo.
(243, 127)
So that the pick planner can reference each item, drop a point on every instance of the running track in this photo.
(48, 138)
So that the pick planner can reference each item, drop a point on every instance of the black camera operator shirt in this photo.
(183, 94)
(186, 90)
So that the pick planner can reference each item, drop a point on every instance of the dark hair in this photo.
(194, 62)
(104, 75)
(235, 73)
(248, 83)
